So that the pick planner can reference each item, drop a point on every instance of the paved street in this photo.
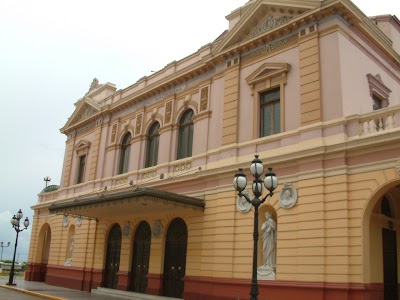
(44, 291)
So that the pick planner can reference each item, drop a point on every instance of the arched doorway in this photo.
(112, 258)
(43, 251)
(384, 234)
(141, 257)
(175, 259)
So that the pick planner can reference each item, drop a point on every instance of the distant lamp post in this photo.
(16, 225)
(47, 179)
(270, 182)
(2, 246)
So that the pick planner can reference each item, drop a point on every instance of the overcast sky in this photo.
(50, 51)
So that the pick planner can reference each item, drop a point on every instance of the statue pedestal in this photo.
(68, 262)
(265, 273)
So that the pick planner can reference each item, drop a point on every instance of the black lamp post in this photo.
(15, 224)
(270, 183)
(2, 246)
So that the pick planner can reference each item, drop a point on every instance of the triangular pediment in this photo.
(267, 70)
(83, 144)
(85, 108)
(262, 17)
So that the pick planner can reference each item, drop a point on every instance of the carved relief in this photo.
(203, 98)
(168, 112)
(78, 221)
(242, 204)
(65, 221)
(138, 124)
(126, 229)
(288, 196)
(269, 23)
(157, 229)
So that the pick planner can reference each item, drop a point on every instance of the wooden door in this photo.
(390, 264)
(112, 258)
(175, 259)
(141, 257)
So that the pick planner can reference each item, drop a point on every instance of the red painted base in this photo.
(201, 288)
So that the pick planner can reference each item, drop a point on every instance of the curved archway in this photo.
(175, 259)
(381, 233)
(43, 250)
(112, 257)
(141, 257)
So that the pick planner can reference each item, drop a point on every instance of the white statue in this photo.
(71, 246)
(268, 229)
(267, 270)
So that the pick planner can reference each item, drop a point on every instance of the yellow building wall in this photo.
(320, 239)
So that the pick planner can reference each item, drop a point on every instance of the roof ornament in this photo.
(94, 85)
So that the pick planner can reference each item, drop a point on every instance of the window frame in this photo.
(124, 158)
(152, 145)
(188, 151)
(268, 76)
(272, 116)
(80, 178)
(378, 91)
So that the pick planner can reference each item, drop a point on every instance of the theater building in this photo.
(146, 202)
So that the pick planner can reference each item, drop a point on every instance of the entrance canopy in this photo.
(139, 201)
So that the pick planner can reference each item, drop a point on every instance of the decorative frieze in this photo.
(151, 174)
(121, 181)
(270, 47)
(183, 167)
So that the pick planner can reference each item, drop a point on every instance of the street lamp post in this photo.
(2, 246)
(270, 182)
(16, 225)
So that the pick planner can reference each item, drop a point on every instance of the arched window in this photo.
(152, 145)
(385, 207)
(185, 141)
(125, 152)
